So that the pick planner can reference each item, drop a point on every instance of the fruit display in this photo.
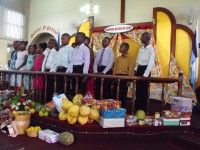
(66, 104)
(43, 112)
(38, 107)
(62, 116)
(33, 131)
(78, 99)
(140, 114)
(79, 111)
(31, 128)
(66, 138)
(84, 110)
(171, 114)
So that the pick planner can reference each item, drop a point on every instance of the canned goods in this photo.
(157, 115)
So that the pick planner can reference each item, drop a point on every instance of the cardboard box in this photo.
(181, 104)
(171, 122)
(49, 136)
(185, 121)
(115, 113)
(186, 114)
(112, 123)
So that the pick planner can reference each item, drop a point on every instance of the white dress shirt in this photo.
(80, 56)
(46, 51)
(107, 60)
(63, 58)
(48, 59)
(146, 56)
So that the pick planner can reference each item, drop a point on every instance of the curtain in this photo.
(13, 24)
(187, 90)
(97, 37)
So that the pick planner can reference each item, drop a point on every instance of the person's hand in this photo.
(101, 73)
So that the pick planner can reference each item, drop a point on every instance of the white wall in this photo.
(142, 10)
(3, 51)
(61, 14)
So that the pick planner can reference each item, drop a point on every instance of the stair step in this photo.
(188, 140)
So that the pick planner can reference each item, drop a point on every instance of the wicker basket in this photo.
(22, 121)
(32, 133)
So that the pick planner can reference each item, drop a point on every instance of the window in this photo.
(13, 24)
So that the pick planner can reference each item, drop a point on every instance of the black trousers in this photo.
(81, 86)
(123, 89)
(61, 81)
(106, 85)
(141, 90)
(50, 87)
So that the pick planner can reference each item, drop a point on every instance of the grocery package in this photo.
(171, 122)
(112, 115)
(181, 104)
(184, 107)
(185, 121)
(115, 113)
(112, 122)
(49, 136)
(57, 100)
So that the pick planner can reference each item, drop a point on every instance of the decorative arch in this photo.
(39, 35)
(84, 27)
(173, 25)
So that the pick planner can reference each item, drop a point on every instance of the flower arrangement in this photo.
(20, 100)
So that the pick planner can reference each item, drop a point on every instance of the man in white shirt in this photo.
(103, 65)
(49, 55)
(46, 51)
(47, 64)
(144, 65)
(80, 62)
(62, 62)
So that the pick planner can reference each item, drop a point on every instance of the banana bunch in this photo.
(79, 111)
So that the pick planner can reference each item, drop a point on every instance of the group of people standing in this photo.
(80, 59)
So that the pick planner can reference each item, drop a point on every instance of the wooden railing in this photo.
(163, 81)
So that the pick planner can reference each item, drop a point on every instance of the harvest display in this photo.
(84, 110)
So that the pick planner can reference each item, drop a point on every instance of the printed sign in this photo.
(118, 28)
(44, 28)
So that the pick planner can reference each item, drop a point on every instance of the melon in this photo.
(140, 114)
(66, 138)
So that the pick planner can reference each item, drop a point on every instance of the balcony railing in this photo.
(5, 84)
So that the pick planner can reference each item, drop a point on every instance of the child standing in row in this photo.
(38, 59)
(13, 61)
(21, 60)
(90, 81)
(123, 67)
(29, 66)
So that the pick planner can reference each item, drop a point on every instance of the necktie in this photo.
(101, 57)
(46, 60)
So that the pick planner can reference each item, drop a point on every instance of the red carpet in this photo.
(108, 139)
